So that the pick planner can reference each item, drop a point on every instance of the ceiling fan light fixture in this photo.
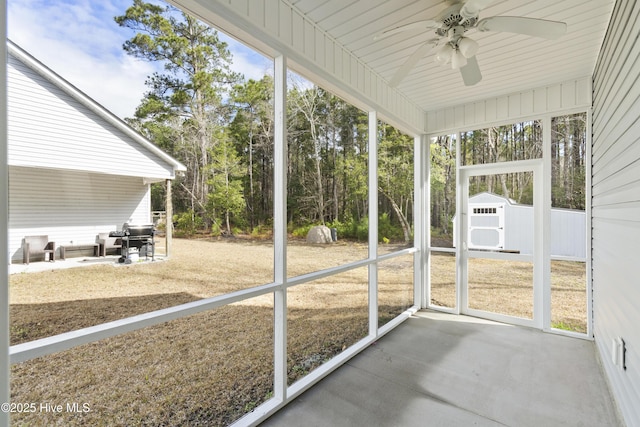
(458, 60)
(468, 47)
(443, 56)
(450, 28)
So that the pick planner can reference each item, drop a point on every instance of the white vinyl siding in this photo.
(71, 206)
(616, 203)
(553, 99)
(49, 128)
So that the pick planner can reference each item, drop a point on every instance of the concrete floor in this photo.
(443, 370)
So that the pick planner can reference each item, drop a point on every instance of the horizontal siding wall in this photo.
(616, 203)
(71, 206)
(277, 28)
(557, 98)
(48, 128)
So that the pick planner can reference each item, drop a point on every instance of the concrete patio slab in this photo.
(438, 369)
(39, 266)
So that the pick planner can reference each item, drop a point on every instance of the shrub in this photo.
(301, 231)
(215, 229)
(359, 229)
(187, 223)
(355, 229)
(384, 226)
(262, 231)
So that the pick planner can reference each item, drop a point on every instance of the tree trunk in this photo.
(406, 227)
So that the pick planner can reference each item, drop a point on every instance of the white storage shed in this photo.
(498, 223)
(75, 169)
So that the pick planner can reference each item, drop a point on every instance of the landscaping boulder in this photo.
(319, 234)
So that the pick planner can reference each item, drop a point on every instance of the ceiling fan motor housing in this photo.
(451, 18)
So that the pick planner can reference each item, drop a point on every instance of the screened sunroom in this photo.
(534, 101)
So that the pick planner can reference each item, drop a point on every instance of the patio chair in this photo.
(38, 246)
(108, 243)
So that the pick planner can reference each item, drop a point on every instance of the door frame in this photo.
(540, 247)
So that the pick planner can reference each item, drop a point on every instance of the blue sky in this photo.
(79, 40)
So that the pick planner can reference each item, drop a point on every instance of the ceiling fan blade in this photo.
(419, 25)
(411, 62)
(473, 7)
(529, 26)
(471, 74)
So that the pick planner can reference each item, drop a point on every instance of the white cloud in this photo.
(80, 40)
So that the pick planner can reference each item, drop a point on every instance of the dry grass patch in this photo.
(569, 296)
(197, 267)
(324, 317)
(395, 287)
(506, 287)
(338, 306)
(207, 369)
(56, 301)
(443, 279)
(303, 258)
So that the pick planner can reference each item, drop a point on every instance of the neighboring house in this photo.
(75, 169)
(498, 223)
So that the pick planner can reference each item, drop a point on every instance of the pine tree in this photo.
(184, 108)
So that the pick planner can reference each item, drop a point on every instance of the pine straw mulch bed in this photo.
(207, 369)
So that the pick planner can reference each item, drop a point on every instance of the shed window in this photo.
(484, 211)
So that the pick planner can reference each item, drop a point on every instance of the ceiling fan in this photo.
(458, 49)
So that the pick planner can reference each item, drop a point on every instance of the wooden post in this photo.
(168, 219)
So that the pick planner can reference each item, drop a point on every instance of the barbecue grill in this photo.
(136, 238)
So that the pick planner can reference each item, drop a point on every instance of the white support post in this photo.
(420, 220)
(280, 228)
(373, 223)
(588, 214)
(461, 238)
(426, 211)
(5, 369)
(543, 260)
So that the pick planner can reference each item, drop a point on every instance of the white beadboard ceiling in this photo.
(509, 62)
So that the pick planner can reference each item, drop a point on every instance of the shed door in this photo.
(500, 283)
(486, 226)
